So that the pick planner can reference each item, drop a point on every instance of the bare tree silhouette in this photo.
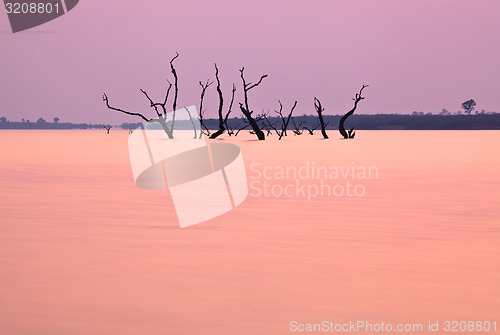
(222, 118)
(319, 110)
(351, 132)
(296, 129)
(108, 128)
(240, 129)
(312, 129)
(192, 122)
(285, 121)
(159, 107)
(229, 129)
(202, 111)
(246, 110)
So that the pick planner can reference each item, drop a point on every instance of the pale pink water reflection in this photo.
(84, 251)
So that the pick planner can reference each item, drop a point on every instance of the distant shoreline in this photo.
(357, 121)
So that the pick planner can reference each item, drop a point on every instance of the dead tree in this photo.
(245, 109)
(230, 130)
(202, 112)
(192, 122)
(351, 132)
(284, 120)
(159, 107)
(311, 130)
(108, 128)
(319, 110)
(268, 125)
(222, 118)
(241, 128)
(297, 130)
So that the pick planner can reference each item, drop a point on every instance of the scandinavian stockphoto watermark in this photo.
(310, 180)
(370, 327)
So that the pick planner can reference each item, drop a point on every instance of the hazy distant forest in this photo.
(359, 121)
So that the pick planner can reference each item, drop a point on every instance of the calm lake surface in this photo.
(85, 251)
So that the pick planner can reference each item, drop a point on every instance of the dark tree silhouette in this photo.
(192, 122)
(159, 107)
(468, 106)
(56, 119)
(351, 132)
(202, 112)
(176, 80)
(108, 128)
(241, 128)
(246, 110)
(319, 110)
(268, 125)
(229, 129)
(222, 118)
(311, 130)
(296, 129)
(284, 121)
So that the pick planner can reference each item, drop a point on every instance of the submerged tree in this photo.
(230, 130)
(159, 107)
(222, 118)
(468, 106)
(319, 110)
(312, 129)
(245, 109)
(284, 121)
(108, 128)
(202, 111)
(351, 132)
(296, 128)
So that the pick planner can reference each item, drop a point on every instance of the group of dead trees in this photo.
(261, 125)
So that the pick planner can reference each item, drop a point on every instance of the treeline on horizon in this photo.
(378, 122)
(42, 124)
(360, 121)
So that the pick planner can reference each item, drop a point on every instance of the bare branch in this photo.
(230, 105)
(176, 89)
(166, 96)
(105, 99)
(151, 102)
(192, 122)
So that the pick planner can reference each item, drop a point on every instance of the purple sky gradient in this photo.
(421, 55)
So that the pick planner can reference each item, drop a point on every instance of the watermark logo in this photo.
(205, 179)
(310, 180)
(26, 14)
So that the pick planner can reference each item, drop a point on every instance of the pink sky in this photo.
(416, 55)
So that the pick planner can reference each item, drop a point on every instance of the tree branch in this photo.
(105, 99)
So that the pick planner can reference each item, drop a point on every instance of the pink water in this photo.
(84, 251)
